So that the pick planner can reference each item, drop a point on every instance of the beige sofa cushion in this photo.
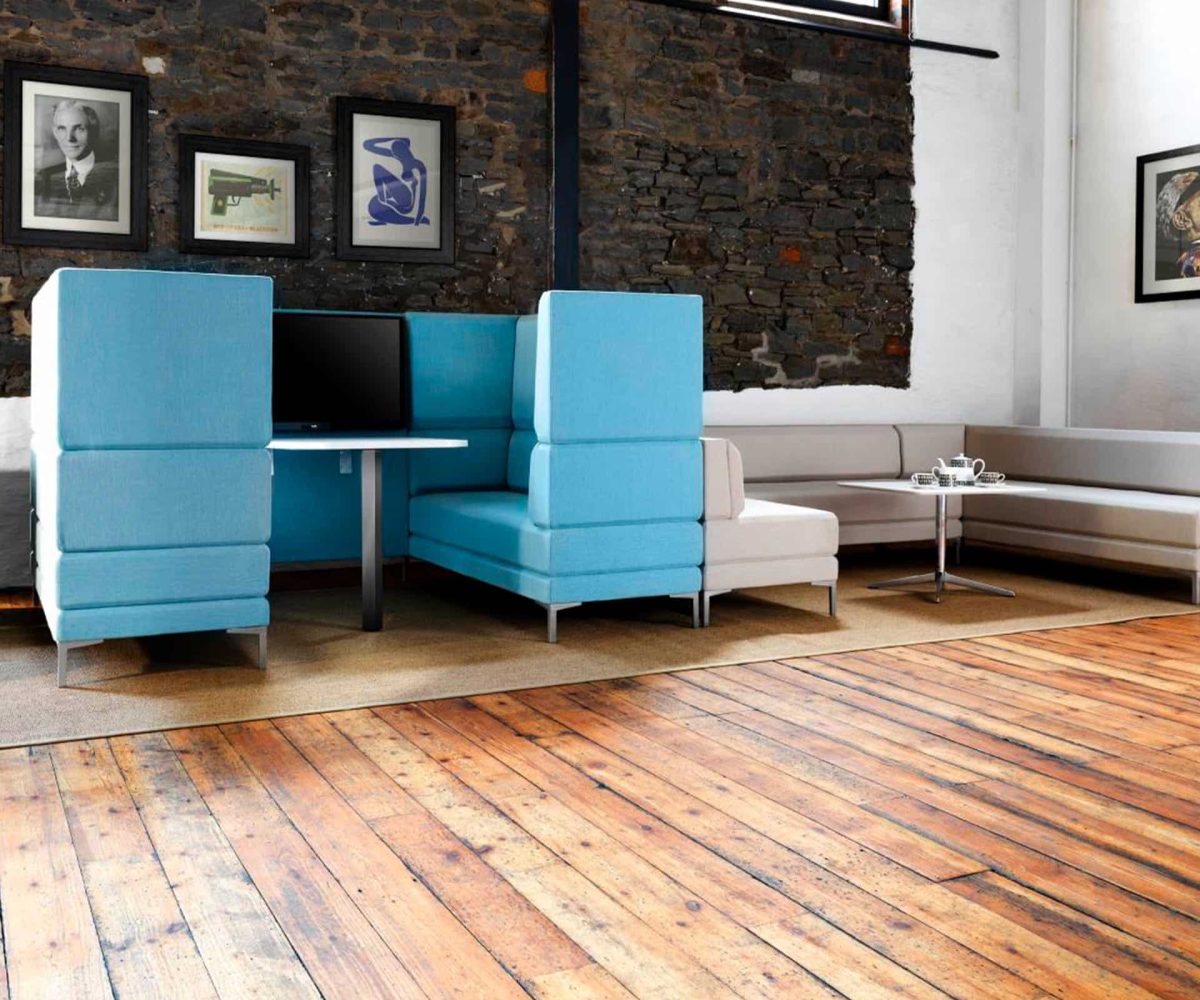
(847, 451)
(921, 445)
(1134, 515)
(856, 506)
(1156, 461)
(766, 531)
(724, 494)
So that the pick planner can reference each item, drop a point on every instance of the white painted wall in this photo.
(1045, 121)
(966, 163)
(1132, 365)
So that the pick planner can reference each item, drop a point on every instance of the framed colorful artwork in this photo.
(395, 181)
(1168, 226)
(241, 196)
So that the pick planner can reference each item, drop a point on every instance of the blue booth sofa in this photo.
(151, 479)
(583, 479)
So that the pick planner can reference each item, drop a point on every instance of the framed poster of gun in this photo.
(241, 196)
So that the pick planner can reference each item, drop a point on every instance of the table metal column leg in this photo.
(940, 534)
(372, 556)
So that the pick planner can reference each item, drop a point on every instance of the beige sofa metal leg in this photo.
(1196, 588)
(832, 586)
(706, 597)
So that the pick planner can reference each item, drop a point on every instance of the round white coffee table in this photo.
(939, 577)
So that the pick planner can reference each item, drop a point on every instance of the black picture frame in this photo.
(1156, 287)
(190, 146)
(131, 165)
(347, 159)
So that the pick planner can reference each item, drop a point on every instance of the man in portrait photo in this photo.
(1178, 212)
(82, 185)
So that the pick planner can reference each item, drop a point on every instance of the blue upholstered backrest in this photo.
(462, 378)
(152, 359)
(524, 376)
(152, 395)
(617, 408)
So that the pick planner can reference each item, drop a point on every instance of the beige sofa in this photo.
(802, 464)
(1123, 497)
(752, 542)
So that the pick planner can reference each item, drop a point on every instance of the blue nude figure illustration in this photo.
(399, 200)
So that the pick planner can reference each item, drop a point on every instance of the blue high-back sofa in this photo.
(583, 478)
(151, 416)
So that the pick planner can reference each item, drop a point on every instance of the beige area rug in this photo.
(448, 637)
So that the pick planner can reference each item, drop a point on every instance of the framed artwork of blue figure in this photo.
(395, 181)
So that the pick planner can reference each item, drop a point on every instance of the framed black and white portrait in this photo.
(75, 157)
(241, 196)
(1168, 225)
(395, 181)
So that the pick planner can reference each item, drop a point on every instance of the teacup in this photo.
(946, 478)
(989, 478)
(924, 479)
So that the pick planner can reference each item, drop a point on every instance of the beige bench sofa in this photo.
(802, 464)
(752, 542)
(1123, 497)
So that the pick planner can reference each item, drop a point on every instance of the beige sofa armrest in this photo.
(724, 489)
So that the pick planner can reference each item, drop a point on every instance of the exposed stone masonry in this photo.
(765, 169)
(768, 170)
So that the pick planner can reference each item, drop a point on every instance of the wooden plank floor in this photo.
(1014, 817)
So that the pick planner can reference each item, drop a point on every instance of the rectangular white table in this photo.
(371, 448)
(939, 577)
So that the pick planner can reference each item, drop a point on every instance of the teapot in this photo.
(962, 468)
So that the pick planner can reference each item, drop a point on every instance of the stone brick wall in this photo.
(767, 169)
(270, 70)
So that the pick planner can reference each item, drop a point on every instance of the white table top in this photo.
(907, 486)
(360, 442)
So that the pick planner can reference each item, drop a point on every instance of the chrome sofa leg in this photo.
(832, 586)
(552, 611)
(708, 595)
(1196, 588)
(958, 551)
(261, 632)
(64, 648)
(695, 599)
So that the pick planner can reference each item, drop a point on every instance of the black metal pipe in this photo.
(698, 7)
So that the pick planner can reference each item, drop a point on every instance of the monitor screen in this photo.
(339, 372)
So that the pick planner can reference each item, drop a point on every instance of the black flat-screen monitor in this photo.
(339, 372)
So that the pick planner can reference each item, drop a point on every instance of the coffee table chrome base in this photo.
(939, 577)
(940, 580)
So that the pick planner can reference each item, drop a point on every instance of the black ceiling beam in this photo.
(564, 41)
(824, 27)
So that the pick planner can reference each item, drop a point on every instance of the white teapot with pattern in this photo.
(962, 468)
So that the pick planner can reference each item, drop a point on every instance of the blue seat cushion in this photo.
(559, 589)
(496, 524)
(152, 576)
